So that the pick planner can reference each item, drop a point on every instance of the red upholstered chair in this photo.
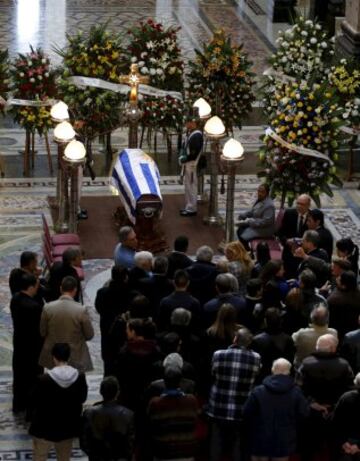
(59, 239)
(274, 245)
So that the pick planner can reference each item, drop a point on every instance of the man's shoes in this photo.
(83, 214)
(187, 213)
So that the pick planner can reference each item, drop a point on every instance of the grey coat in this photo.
(261, 220)
(66, 321)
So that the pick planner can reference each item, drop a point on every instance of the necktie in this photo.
(301, 225)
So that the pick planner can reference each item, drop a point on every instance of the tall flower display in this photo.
(98, 55)
(221, 74)
(156, 51)
(4, 77)
(345, 78)
(302, 141)
(33, 80)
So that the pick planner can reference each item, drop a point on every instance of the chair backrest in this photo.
(279, 219)
(47, 253)
(46, 229)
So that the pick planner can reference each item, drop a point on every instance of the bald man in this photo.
(293, 226)
(276, 399)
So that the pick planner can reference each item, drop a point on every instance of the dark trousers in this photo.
(227, 438)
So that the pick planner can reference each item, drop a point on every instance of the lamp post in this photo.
(233, 155)
(63, 134)
(74, 157)
(214, 130)
(203, 110)
(59, 113)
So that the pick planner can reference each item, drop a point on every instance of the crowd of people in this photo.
(235, 357)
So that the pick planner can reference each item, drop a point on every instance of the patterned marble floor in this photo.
(45, 23)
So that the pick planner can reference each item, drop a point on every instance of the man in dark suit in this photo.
(224, 295)
(293, 225)
(179, 298)
(315, 221)
(309, 251)
(178, 258)
(27, 342)
(158, 286)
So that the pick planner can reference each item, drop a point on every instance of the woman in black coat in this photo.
(273, 412)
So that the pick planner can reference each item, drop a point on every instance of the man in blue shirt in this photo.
(126, 248)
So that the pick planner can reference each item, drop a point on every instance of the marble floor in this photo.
(22, 200)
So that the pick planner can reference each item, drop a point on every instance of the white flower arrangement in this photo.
(299, 48)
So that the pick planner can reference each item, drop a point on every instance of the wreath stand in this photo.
(29, 152)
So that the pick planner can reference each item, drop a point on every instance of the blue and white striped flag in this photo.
(135, 174)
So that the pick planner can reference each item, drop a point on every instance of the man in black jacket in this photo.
(179, 298)
(57, 407)
(324, 377)
(108, 428)
(310, 250)
(315, 221)
(192, 148)
(293, 225)
(178, 259)
(27, 341)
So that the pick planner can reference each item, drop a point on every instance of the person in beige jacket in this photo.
(305, 339)
(66, 321)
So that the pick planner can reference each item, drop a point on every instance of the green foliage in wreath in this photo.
(98, 54)
(33, 79)
(156, 51)
(221, 74)
(307, 116)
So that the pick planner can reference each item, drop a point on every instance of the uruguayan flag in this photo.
(135, 174)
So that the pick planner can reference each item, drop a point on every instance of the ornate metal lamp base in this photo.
(213, 220)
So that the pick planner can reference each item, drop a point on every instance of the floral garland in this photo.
(346, 80)
(33, 79)
(98, 55)
(221, 75)
(307, 116)
(156, 51)
(4, 77)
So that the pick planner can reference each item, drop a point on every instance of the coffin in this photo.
(136, 178)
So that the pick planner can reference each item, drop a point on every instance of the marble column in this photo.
(348, 43)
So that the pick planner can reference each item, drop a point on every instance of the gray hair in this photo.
(124, 233)
(281, 367)
(312, 236)
(320, 315)
(142, 257)
(180, 317)
(173, 360)
(204, 254)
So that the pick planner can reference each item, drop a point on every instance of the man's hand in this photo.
(300, 253)
(322, 408)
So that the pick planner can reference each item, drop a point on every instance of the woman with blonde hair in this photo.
(240, 263)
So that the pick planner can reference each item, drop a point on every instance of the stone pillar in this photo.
(348, 43)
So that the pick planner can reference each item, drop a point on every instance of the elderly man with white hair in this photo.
(324, 377)
(273, 411)
(143, 261)
(346, 424)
